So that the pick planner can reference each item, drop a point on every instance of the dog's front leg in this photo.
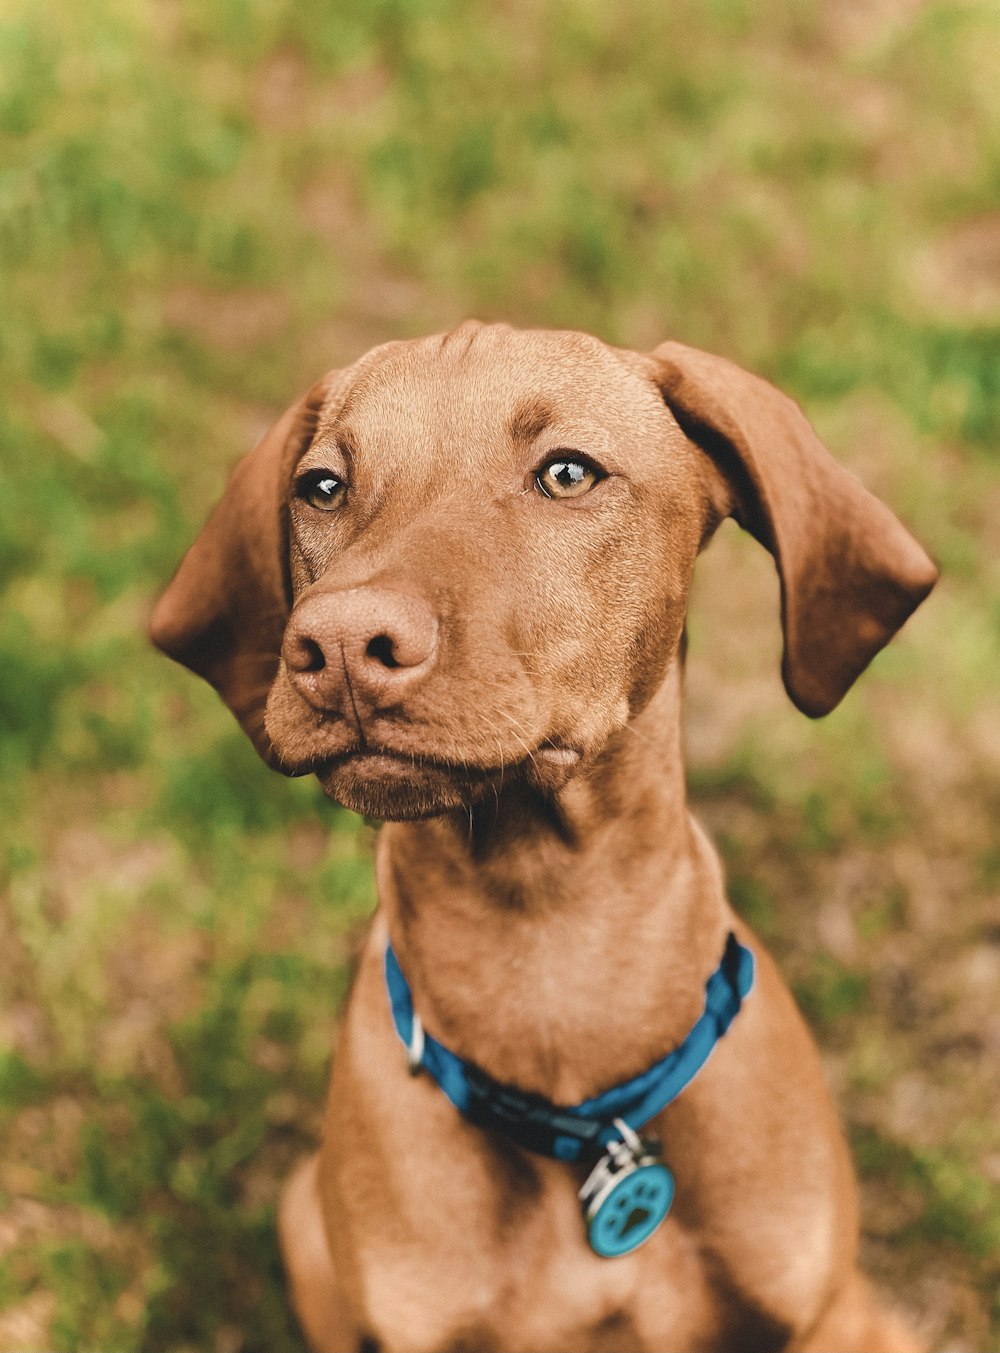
(316, 1293)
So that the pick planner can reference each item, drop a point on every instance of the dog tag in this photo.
(626, 1197)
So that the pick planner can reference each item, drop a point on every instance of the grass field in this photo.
(204, 205)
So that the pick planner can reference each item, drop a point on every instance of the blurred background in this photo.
(204, 204)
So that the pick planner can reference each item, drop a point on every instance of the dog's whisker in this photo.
(635, 732)
(518, 735)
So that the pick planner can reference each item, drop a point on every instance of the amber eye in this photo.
(566, 478)
(320, 488)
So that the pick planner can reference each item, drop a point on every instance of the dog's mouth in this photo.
(395, 784)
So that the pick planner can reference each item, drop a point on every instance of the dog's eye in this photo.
(320, 489)
(566, 478)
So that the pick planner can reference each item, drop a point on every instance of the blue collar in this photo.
(582, 1130)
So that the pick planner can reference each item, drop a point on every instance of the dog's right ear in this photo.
(225, 611)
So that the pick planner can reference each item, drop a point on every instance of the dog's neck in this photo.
(563, 950)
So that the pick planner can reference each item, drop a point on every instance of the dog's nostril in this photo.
(311, 658)
(381, 649)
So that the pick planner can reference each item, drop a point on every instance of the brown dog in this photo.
(451, 582)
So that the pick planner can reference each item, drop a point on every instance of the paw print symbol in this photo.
(635, 1208)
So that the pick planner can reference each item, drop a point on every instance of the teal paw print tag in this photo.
(627, 1195)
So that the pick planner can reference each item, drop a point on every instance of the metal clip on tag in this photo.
(627, 1194)
(415, 1047)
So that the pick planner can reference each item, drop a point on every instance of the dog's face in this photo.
(467, 527)
(464, 562)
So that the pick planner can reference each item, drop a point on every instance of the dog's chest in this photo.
(450, 1240)
(542, 1289)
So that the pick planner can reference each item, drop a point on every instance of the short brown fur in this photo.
(498, 674)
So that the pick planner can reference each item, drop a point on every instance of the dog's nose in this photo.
(363, 648)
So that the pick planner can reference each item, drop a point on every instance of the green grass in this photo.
(204, 206)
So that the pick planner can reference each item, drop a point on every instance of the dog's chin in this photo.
(394, 788)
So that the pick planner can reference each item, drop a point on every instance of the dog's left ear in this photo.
(850, 571)
(224, 613)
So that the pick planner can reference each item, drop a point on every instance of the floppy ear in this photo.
(850, 571)
(224, 613)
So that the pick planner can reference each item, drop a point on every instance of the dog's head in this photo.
(468, 557)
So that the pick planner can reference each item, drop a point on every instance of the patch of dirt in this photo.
(379, 300)
(286, 98)
(280, 92)
(167, 21)
(83, 858)
(68, 424)
(376, 290)
(25, 1027)
(27, 1324)
(43, 1144)
(732, 676)
(234, 321)
(853, 25)
(29, 1224)
(153, 979)
(960, 274)
(29, 1220)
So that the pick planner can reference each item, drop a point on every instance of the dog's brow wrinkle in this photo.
(349, 450)
(346, 441)
(469, 331)
(530, 417)
(344, 435)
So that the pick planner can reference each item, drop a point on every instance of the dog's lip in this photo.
(391, 758)
(373, 757)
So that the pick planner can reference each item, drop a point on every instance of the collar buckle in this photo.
(529, 1120)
